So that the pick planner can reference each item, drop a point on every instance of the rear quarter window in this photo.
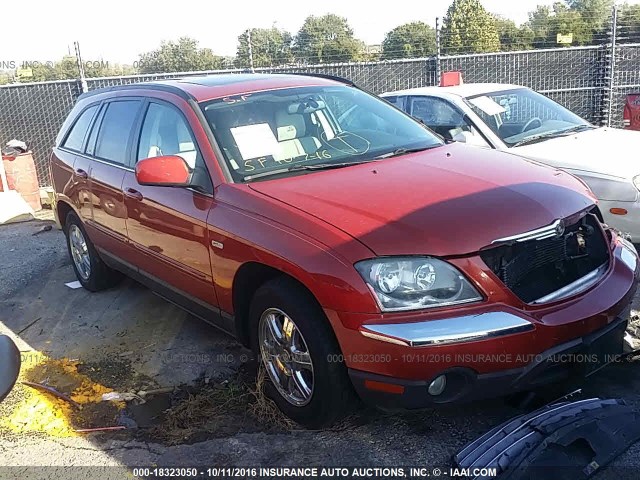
(75, 138)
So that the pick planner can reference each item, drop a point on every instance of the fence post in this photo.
(438, 51)
(83, 81)
(610, 71)
(250, 50)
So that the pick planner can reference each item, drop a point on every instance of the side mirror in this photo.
(164, 171)
(9, 365)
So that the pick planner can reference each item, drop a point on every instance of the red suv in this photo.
(348, 245)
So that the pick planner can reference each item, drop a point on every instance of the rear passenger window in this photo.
(115, 129)
(165, 132)
(79, 130)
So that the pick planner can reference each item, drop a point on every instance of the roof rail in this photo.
(327, 76)
(148, 85)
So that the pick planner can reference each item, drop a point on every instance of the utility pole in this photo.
(250, 51)
(83, 80)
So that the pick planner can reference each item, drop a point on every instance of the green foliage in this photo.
(469, 28)
(587, 20)
(411, 40)
(181, 56)
(594, 13)
(67, 69)
(513, 37)
(326, 39)
(629, 23)
(270, 47)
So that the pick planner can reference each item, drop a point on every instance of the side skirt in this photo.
(196, 307)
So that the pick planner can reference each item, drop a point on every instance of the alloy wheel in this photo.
(286, 356)
(79, 252)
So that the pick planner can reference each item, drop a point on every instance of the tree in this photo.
(469, 28)
(513, 37)
(411, 40)
(326, 39)
(270, 47)
(629, 23)
(181, 56)
(546, 23)
(595, 14)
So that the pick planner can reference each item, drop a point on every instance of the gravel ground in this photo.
(167, 347)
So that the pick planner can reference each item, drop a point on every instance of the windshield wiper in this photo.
(403, 151)
(298, 168)
(559, 133)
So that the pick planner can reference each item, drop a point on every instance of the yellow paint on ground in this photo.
(34, 411)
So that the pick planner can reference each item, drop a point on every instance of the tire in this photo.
(332, 393)
(98, 276)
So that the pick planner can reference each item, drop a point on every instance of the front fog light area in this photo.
(413, 283)
(437, 386)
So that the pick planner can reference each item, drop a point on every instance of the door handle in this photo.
(133, 193)
(81, 173)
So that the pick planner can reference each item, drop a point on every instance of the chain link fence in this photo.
(591, 81)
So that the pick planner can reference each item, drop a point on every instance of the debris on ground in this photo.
(632, 335)
(45, 228)
(218, 410)
(54, 392)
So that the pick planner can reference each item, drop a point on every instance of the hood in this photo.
(609, 151)
(450, 200)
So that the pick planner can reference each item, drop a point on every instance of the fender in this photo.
(271, 233)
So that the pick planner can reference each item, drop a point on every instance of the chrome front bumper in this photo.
(467, 328)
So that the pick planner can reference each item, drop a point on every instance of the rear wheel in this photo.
(295, 344)
(92, 272)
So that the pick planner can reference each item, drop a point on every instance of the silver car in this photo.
(521, 121)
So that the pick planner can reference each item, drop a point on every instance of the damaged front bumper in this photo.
(579, 357)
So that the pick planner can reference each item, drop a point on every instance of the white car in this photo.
(521, 121)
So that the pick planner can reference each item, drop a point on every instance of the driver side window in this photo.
(165, 132)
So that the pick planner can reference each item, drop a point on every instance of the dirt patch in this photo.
(117, 374)
(208, 411)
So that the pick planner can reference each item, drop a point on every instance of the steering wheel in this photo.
(529, 125)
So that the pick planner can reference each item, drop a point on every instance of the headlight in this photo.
(413, 283)
(636, 181)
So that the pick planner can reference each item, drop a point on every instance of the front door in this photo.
(168, 225)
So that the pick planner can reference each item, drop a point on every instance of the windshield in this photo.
(266, 133)
(522, 114)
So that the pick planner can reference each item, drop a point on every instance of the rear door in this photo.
(70, 167)
(167, 226)
(109, 147)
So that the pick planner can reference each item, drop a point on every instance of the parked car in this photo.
(631, 112)
(374, 258)
(518, 120)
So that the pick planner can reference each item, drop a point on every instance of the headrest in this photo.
(289, 125)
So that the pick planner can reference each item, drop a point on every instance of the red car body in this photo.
(210, 252)
(631, 113)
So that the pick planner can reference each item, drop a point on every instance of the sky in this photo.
(118, 30)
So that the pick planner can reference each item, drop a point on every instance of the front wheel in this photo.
(295, 343)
